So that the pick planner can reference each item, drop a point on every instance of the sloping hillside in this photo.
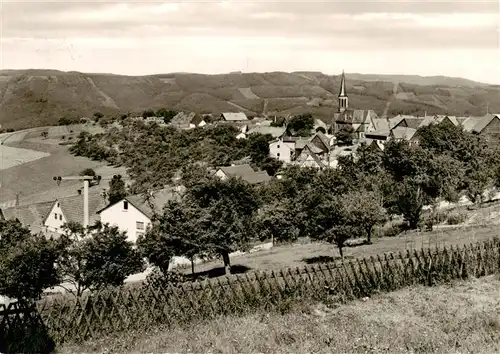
(31, 98)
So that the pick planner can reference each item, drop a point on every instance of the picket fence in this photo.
(144, 306)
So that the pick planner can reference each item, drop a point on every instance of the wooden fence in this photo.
(143, 307)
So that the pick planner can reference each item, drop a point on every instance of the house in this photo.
(245, 172)
(190, 120)
(281, 150)
(309, 156)
(50, 216)
(360, 120)
(404, 133)
(321, 141)
(488, 127)
(134, 214)
(243, 132)
(233, 117)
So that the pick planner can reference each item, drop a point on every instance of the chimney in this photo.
(17, 199)
(79, 192)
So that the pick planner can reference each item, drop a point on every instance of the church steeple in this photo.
(343, 99)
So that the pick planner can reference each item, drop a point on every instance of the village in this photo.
(317, 149)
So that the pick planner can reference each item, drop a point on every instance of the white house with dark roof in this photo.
(133, 214)
(50, 216)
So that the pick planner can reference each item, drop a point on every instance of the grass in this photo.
(296, 255)
(456, 318)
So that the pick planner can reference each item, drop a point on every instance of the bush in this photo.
(390, 230)
(456, 217)
(157, 279)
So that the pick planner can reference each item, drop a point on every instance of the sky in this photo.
(450, 38)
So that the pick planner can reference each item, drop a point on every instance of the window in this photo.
(55, 216)
(139, 225)
(58, 204)
(125, 205)
(278, 146)
(60, 216)
(278, 154)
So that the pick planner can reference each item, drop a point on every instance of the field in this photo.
(455, 318)
(297, 255)
(32, 98)
(32, 179)
(11, 156)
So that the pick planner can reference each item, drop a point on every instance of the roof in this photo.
(403, 133)
(197, 119)
(381, 124)
(453, 119)
(72, 207)
(380, 133)
(239, 116)
(413, 122)
(29, 215)
(483, 122)
(246, 173)
(323, 138)
(275, 132)
(183, 118)
(309, 151)
(469, 123)
(158, 199)
(355, 115)
(319, 123)
(396, 120)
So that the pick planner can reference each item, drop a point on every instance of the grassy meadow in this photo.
(460, 317)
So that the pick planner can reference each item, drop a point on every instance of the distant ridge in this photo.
(38, 97)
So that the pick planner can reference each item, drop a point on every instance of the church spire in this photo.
(343, 100)
(342, 86)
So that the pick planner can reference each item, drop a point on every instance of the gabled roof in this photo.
(469, 123)
(246, 173)
(230, 116)
(182, 118)
(319, 123)
(29, 215)
(310, 151)
(483, 123)
(197, 119)
(275, 132)
(381, 124)
(158, 200)
(403, 133)
(72, 207)
(323, 138)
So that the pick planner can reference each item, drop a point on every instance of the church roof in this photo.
(355, 116)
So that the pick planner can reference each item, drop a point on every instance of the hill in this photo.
(32, 98)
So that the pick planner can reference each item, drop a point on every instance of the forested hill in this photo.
(30, 98)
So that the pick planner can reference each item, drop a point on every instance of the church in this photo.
(360, 120)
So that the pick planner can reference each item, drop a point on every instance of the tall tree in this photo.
(117, 189)
(301, 125)
(176, 233)
(228, 207)
(366, 209)
(96, 257)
